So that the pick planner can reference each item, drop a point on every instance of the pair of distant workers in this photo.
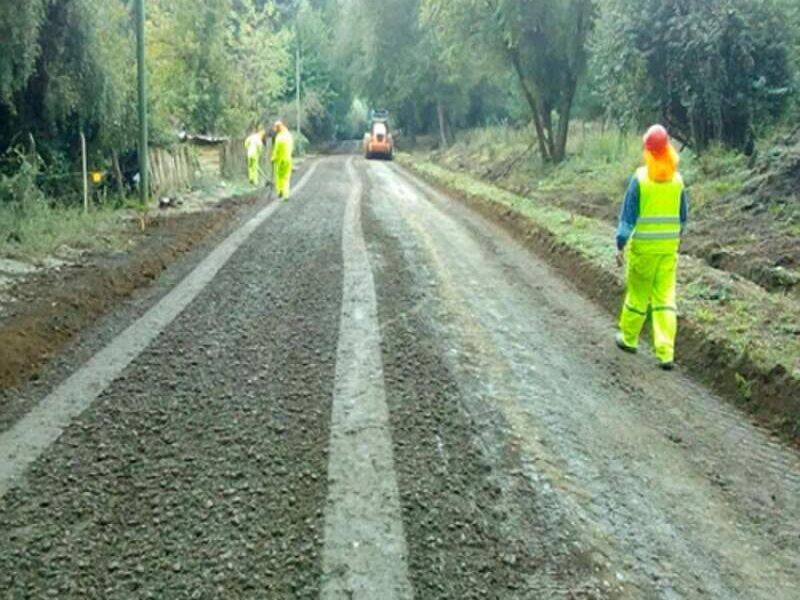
(653, 217)
(282, 150)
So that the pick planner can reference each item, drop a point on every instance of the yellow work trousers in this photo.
(651, 291)
(252, 169)
(283, 178)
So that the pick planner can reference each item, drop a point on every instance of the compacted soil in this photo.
(510, 451)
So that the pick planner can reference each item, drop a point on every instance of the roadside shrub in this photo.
(19, 189)
(709, 70)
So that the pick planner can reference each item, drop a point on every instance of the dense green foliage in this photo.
(60, 75)
(543, 43)
(19, 36)
(712, 70)
(215, 66)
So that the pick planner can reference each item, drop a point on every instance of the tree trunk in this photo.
(534, 105)
(547, 119)
(117, 173)
(412, 121)
(32, 148)
(440, 115)
(563, 122)
(450, 130)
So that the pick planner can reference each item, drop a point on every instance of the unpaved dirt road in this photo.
(371, 392)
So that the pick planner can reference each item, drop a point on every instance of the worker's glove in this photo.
(620, 258)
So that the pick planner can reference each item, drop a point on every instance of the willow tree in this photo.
(260, 55)
(20, 24)
(542, 41)
(381, 45)
(62, 71)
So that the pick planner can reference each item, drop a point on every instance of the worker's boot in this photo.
(620, 341)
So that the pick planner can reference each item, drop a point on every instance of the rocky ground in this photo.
(531, 459)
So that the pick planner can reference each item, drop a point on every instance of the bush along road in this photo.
(375, 391)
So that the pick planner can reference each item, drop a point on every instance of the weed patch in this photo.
(35, 230)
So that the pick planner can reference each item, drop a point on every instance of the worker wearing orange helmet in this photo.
(652, 220)
(282, 150)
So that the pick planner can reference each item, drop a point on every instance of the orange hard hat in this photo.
(656, 140)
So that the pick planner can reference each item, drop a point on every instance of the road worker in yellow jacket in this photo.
(254, 146)
(282, 149)
(652, 219)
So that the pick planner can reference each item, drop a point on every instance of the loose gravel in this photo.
(532, 460)
(201, 472)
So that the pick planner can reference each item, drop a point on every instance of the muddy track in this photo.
(374, 391)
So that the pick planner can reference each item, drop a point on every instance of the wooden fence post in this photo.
(85, 174)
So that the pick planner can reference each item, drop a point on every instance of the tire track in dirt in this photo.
(474, 526)
(365, 548)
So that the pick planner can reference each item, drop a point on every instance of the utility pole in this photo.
(297, 78)
(144, 182)
(85, 173)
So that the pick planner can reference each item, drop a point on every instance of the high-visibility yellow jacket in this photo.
(254, 145)
(283, 147)
(658, 228)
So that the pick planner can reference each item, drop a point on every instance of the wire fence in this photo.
(172, 170)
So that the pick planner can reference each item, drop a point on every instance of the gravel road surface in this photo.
(371, 392)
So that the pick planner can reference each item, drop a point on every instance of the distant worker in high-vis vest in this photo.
(282, 149)
(651, 222)
(254, 146)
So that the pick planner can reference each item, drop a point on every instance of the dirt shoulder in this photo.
(44, 308)
(734, 334)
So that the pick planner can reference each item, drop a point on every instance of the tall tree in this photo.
(260, 55)
(710, 70)
(380, 44)
(192, 81)
(20, 24)
(64, 74)
(399, 61)
(325, 98)
(544, 42)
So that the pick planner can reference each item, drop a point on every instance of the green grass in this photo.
(600, 162)
(35, 227)
(35, 230)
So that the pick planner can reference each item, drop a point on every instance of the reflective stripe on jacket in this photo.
(658, 228)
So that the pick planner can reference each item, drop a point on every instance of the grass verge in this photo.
(36, 230)
(733, 334)
(745, 211)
